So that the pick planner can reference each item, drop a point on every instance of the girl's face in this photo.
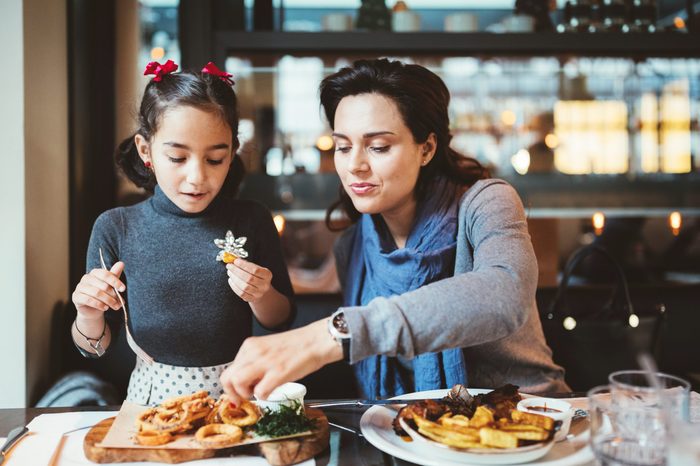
(190, 154)
(376, 157)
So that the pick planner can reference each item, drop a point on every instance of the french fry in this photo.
(509, 426)
(532, 419)
(433, 427)
(454, 421)
(529, 435)
(483, 417)
(497, 438)
(453, 439)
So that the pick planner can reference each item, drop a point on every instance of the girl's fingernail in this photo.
(122, 288)
(232, 405)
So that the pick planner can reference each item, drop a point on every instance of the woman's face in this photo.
(375, 155)
(190, 154)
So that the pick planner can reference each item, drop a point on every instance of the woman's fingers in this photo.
(227, 384)
(270, 381)
(263, 363)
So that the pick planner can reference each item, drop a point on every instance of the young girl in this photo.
(194, 264)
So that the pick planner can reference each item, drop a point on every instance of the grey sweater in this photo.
(487, 308)
(181, 309)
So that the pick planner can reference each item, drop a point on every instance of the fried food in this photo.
(195, 412)
(172, 403)
(247, 415)
(483, 417)
(532, 419)
(428, 409)
(493, 422)
(152, 438)
(218, 435)
(171, 420)
(497, 438)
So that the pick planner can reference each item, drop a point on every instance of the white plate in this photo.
(376, 426)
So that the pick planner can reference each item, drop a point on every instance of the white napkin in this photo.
(46, 431)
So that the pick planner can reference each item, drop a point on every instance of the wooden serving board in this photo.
(277, 453)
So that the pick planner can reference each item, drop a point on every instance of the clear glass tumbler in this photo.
(632, 388)
(625, 435)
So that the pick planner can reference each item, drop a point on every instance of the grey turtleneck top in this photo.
(181, 309)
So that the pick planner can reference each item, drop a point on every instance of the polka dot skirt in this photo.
(151, 384)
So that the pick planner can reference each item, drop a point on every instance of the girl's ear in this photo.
(142, 147)
(429, 148)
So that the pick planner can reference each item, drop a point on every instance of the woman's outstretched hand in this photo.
(264, 363)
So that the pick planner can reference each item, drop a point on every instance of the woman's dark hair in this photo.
(194, 89)
(422, 99)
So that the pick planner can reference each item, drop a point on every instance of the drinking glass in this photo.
(625, 434)
(632, 388)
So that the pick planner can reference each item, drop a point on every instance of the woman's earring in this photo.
(147, 164)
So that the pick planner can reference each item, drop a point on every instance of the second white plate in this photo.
(376, 426)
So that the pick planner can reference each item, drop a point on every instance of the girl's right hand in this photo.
(94, 294)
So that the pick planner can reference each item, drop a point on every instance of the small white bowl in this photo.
(559, 410)
(288, 394)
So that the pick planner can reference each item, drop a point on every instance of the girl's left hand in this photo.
(248, 280)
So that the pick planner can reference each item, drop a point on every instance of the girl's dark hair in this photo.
(194, 89)
(422, 99)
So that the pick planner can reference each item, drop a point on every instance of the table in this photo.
(346, 448)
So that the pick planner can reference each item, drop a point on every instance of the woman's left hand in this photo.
(248, 280)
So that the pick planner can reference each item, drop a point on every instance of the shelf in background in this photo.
(544, 195)
(466, 44)
(535, 212)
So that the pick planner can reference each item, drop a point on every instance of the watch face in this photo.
(340, 324)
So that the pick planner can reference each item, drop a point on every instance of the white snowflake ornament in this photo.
(232, 247)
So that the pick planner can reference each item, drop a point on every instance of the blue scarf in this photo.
(378, 268)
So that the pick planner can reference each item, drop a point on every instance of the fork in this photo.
(145, 357)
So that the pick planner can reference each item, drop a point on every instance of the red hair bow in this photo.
(214, 70)
(160, 70)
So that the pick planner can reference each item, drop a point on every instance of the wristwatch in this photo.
(338, 328)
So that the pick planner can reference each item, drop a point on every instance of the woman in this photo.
(438, 269)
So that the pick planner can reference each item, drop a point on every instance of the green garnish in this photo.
(287, 421)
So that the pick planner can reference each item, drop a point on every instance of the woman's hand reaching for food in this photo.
(264, 363)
